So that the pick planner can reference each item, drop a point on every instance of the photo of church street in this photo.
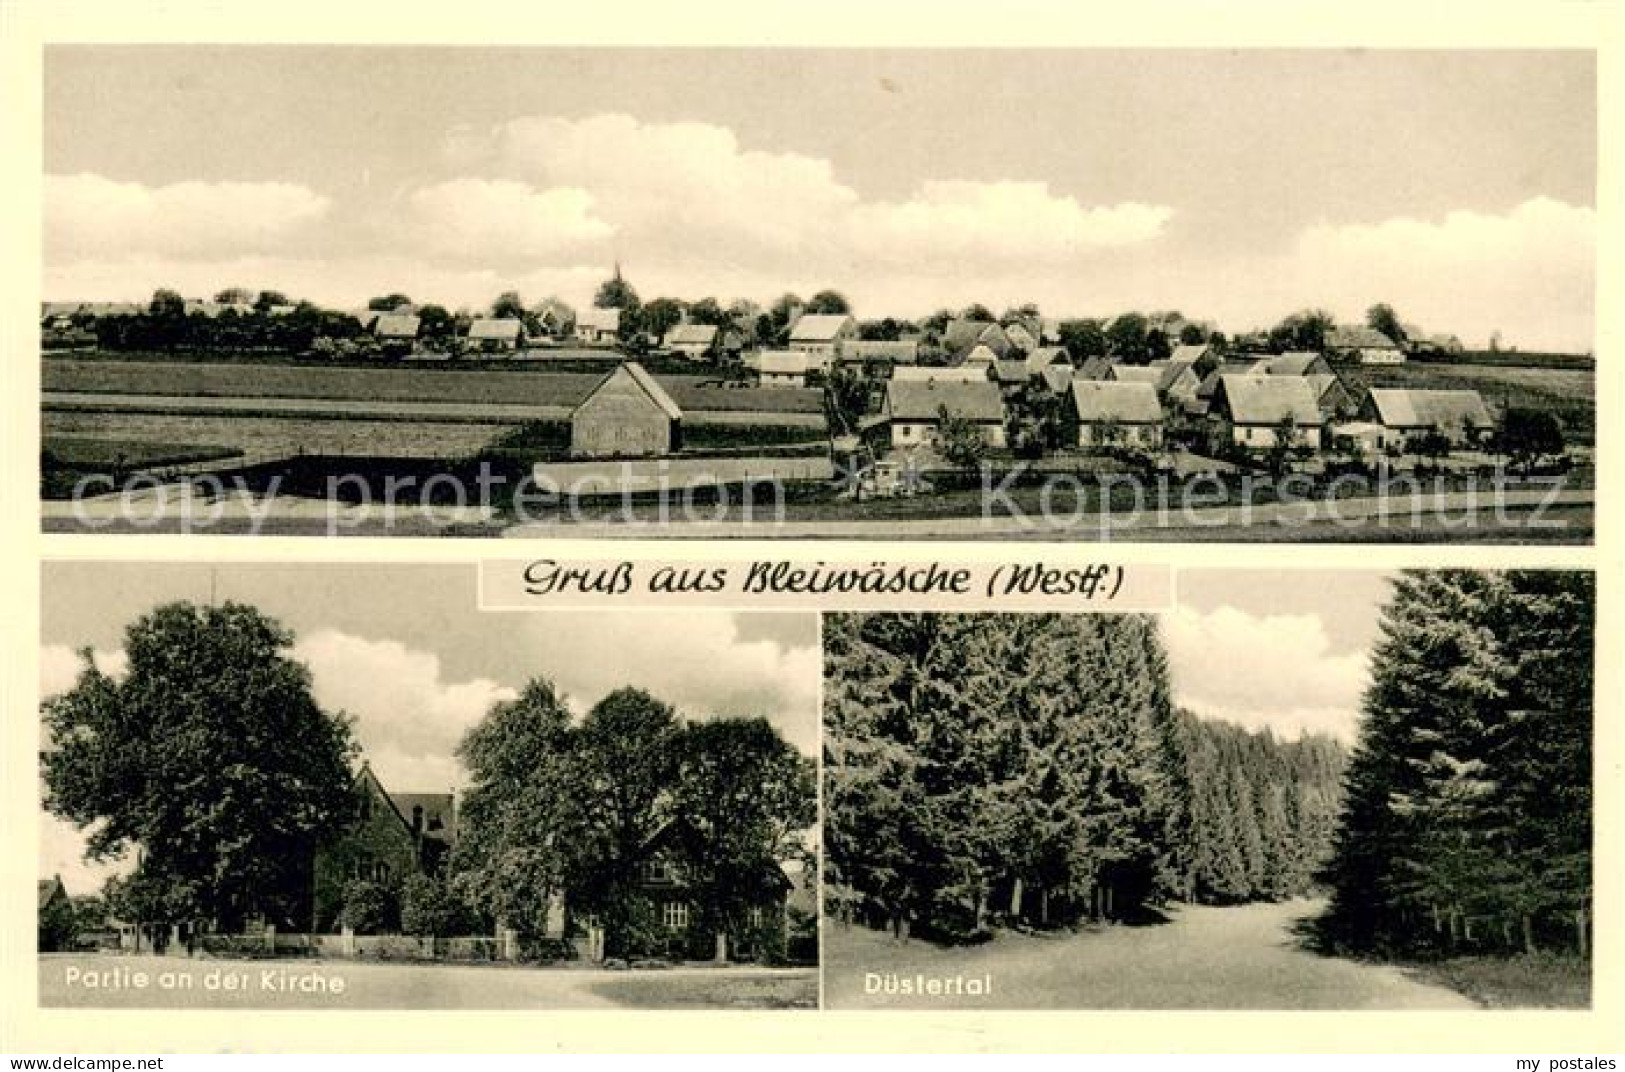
(343, 786)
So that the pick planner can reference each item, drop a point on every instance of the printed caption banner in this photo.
(1014, 584)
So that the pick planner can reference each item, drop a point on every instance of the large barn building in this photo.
(628, 415)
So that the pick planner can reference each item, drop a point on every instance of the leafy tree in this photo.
(268, 299)
(1304, 330)
(1192, 335)
(235, 296)
(828, 301)
(1084, 339)
(509, 306)
(513, 853)
(1528, 435)
(960, 440)
(166, 303)
(660, 315)
(210, 756)
(708, 311)
(369, 907)
(1127, 339)
(1381, 317)
(57, 926)
(431, 909)
(976, 311)
(741, 797)
(434, 322)
(388, 303)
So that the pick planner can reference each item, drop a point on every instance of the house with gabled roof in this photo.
(1367, 345)
(1023, 336)
(1332, 395)
(823, 334)
(697, 342)
(978, 373)
(492, 334)
(914, 410)
(1409, 414)
(1097, 367)
(961, 337)
(1252, 410)
(785, 368)
(1134, 374)
(1104, 413)
(1201, 356)
(1177, 382)
(598, 327)
(1045, 356)
(626, 415)
(397, 332)
(880, 352)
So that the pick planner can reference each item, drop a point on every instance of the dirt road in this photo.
(1245, 957)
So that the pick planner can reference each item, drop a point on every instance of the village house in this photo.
(491, 335)
(1057, 378)
(914, 410)
(1097, 367)
(598, 327)
(627, 415)
(1134, 374)
(981, 354)
(823, 334)
(1022, 336)
(1011, 373)
(1106, 413)
(1252, 411)
(1177, 383)
(392, 837)
(1332, 395)
(961, 337)
(785, 368)
(697, 342)
(1407, 415)
(397, 333)
(1368, 346)
(555, 317)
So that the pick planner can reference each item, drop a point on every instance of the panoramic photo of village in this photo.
(1297, 790)
(344, 787)
(623, 292)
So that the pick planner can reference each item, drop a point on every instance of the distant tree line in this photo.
(1468, 816)
(1032, 770)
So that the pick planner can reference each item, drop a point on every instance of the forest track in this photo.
(1243, 957)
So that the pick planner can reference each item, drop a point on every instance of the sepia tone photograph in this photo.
(1333, 296)
(344, 787)
(1296, 790)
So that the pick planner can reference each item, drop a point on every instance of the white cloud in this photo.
(93, 217)
(408, 717)
(1275, 671)
(1529, 273)
(468, 219)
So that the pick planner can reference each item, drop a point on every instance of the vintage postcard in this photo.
(1136, 294)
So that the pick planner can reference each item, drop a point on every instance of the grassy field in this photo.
(97, 455)
(1543, 981)
(1568, 392)
(537, 387)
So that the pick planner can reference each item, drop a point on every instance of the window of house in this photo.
(674, 915)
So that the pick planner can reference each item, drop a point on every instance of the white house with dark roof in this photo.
(1408, 414)
(914, 410)
(1252, 409)
(1114, 413)
(786, 368)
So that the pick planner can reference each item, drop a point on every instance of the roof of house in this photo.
(1291, 363)
(1210, 382)
(1097, 367)
(1357, 337)
(1045, 356)
(1135, 374)
(963, 334)
(906, 352)
(439, 812)
(641, 377)
(1324, 382)
(915, 400)
(1113, 400)
(784, 362)
(979, 354)
(950, 374)
(599, 319)
(1011, 371)
(1057, 377)
(692, 335)
(819, 327)
(1189, 352)
(396, 326)
(1259, 399)
(1175, 373)
(489, 327)
(1399, 407)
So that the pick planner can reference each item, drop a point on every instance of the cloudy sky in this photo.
(1232, 185)
(403, 651)
(1283, 649)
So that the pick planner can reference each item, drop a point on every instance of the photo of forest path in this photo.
(1072, 811)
